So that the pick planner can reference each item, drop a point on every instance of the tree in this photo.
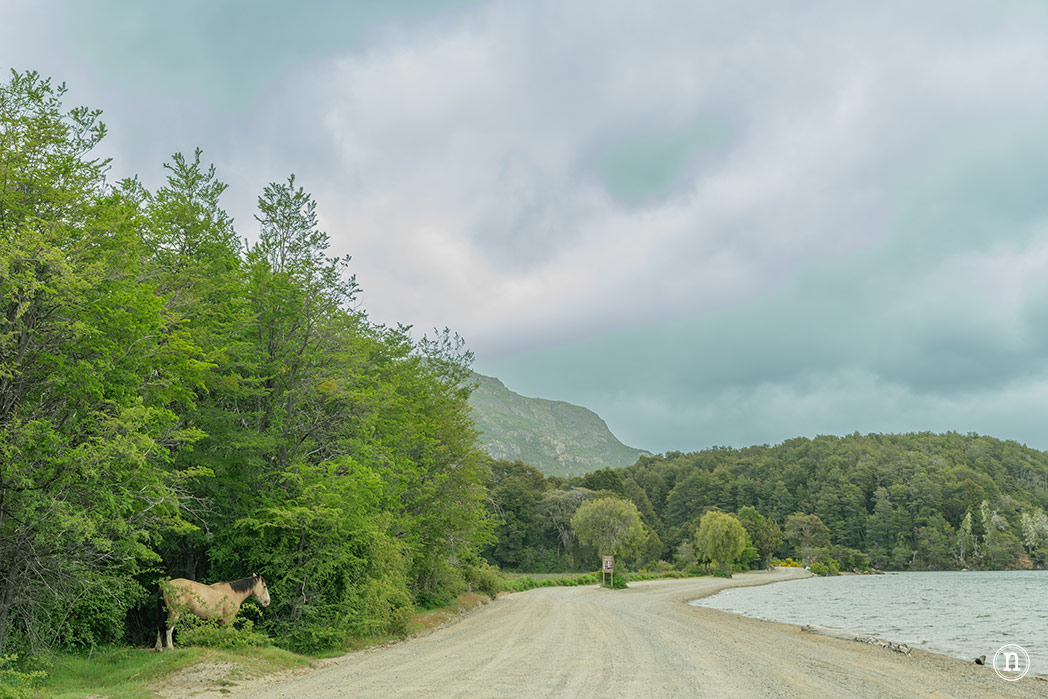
(764, 533)
(555, 513)
(92, 372)
(806, 533)
(720, 538)
(1035, 534)
(610, 525)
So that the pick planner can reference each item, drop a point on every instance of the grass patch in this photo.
(433, 618)
(528, 582)
(130, 673)
(518, 582)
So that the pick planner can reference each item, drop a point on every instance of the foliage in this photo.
(17, 683)
(212, 634)
(908, 502)
(522, 583)
(764, 534)
(825, 567)
(806, 533)
(787, 563)
(483, 576)
(175, 404)
(611, 525)
(720, 538)
(92, 369)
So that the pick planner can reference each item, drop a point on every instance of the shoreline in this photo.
(933, 661)
(846, 634)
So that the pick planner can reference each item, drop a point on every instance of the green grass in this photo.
(519, 582)
(130, 673)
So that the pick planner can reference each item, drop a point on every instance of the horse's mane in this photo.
(243, 585)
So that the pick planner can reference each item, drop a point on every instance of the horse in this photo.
(219, 600)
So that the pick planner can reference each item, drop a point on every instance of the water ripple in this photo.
(960, 614)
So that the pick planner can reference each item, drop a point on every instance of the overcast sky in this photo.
(712, 223)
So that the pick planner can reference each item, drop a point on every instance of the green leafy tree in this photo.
(806, 532)
(763, 533)
(555, 512)
(92, 368)
(720, 538)
(610, 525)
(1034, 526)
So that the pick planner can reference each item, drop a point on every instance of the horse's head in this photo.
(260, 590)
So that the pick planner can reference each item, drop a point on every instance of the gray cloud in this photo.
(710, 225)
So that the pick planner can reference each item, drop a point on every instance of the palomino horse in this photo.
(220, 600)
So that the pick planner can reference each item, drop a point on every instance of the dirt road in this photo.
(642, 642)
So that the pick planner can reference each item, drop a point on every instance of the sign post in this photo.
(608, 567)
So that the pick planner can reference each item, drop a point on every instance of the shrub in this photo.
(851, 559)
(483, 576)
(439, 583)
(787, 563)
(17, 683)
(826, 566)
(617, 582)
(211, 634)
(663, 567)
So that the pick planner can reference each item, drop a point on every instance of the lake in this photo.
(963, 614)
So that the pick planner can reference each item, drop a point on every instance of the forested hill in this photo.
(559, 438)
(911, 501)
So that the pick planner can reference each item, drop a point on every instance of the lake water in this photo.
(960, 614)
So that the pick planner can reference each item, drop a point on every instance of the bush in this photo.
(851, 559)
(484, 577)
(663, 567)
(439, 583)
(826, 566)
(17, 683)
(787, 563)
(211, 634)
(617, 582)
(529, 583)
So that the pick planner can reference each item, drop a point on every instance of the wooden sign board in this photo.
(609, 564)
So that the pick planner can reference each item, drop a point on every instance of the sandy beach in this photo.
(646, 641)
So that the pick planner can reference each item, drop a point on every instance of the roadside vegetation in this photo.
(175, 402)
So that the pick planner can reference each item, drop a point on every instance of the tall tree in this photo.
(720, 538)
(91, 365)
(806, 532)
(610, 525)
(764, 533)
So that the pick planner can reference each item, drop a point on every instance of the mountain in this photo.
(558, 438)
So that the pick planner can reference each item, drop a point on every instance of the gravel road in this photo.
(642, 642)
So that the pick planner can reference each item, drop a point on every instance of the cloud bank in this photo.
(710, 225)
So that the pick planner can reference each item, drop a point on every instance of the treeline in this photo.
(901, 502)
(176, 402)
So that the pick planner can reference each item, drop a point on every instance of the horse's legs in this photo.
(171, 619)
(161, 616)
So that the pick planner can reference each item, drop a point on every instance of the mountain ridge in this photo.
(557, 437)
